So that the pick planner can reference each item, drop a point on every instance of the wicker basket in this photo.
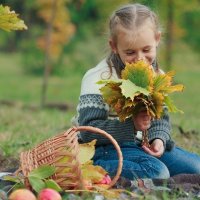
(67, 175)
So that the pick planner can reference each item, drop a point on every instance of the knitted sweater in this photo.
(93, 111)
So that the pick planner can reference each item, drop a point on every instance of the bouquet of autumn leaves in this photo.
(140, 88)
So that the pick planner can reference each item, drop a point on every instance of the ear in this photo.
(158, 36)
(113, 46)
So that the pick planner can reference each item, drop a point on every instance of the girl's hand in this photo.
(142, 121)
(156, 149)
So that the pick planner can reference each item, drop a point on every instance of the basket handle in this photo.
(114, 142)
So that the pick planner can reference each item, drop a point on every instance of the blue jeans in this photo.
(138, 164)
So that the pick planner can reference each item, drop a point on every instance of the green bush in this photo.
(191, 23)
(33, 59)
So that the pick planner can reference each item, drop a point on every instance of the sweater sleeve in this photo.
(94, 112)
(160, 128)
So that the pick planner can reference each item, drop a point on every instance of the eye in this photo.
(146, 50)
(129, 53)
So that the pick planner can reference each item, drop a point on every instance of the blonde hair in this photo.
(130, 16)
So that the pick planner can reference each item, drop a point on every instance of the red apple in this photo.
(22, 194)
(49, 194)
(106, 180)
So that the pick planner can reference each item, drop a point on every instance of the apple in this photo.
(49, 194)
(106, 180)
(22, 194)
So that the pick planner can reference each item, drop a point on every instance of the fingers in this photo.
(156, 149)
(153, 152)
(157, 145)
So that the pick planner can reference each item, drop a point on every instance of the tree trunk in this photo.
(169, 37)
(47, 59)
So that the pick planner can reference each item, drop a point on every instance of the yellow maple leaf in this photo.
(86, 151)
(93, 173)
(9, 20)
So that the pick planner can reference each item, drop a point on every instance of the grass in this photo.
(22, 127)
(187, 72)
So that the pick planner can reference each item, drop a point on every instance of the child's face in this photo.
(132, 46)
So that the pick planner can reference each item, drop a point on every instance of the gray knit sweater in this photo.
(93, 111)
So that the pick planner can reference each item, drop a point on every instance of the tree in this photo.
(169, 37)
(58, 31)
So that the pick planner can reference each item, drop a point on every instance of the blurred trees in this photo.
(90, 17)
(178, 26)
(191, 24)
(66, 36)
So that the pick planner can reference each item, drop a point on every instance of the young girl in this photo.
(134, 35)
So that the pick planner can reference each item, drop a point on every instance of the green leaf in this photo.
(109, 81)
(129, 89)
(36, 183)
(171, 107)
(53, 185)
(43, 172)
(18, 186)
(15, 179)
(139, 73)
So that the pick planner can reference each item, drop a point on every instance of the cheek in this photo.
(123, 58)
(128, 59)
(151, 57)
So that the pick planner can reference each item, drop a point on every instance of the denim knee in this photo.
(189, 162)
(195, 169)
(161, 173)
(147, 169)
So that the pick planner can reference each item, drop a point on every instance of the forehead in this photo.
(143, 35)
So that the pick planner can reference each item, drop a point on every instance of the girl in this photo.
(134, 35)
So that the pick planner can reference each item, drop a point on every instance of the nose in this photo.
(139, 56)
